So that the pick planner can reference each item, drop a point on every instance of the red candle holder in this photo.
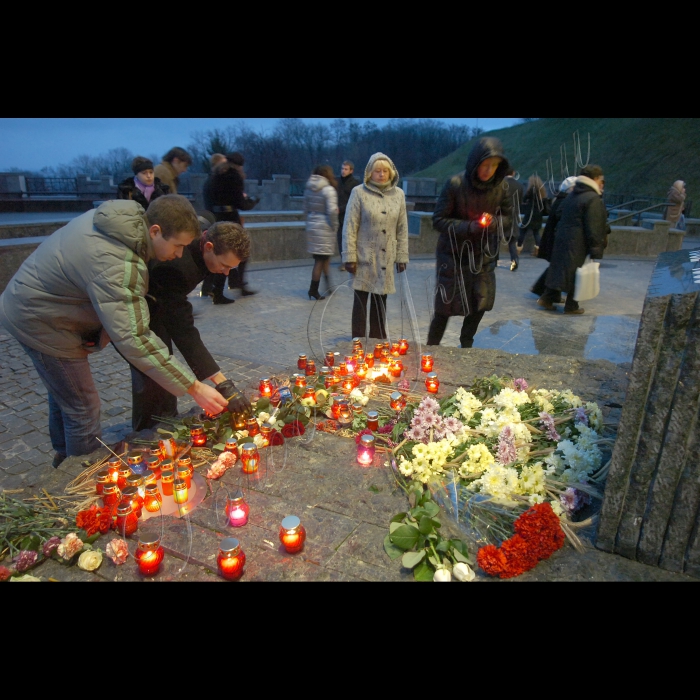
(232, 446)
(266, 431)
(136, 480)
(199, 439)
(343, 369)
(366, 450)
(395, 350)
(183, 473)
(350, 363)
(113, 466)
(231, 559)
(348, 385)
(397, 401)
(300, 380)
(403, 346)
(310, 368)
(265, 387)
(152, 499)
(250, 458)
(330, 381)
(123, 474)
(149, 554)
(309, 393)
(153, 465)
(330, 359)
(167, 478)
(301, 362)
(131, 494)
(135, 461)
(111, 495)
(338, 405)
(386, 352)
(103, 477)
(127, 520)
(356, 344)
(252, 427)
(362, 370)
(373, 420)
(237, 511)
(432, 383)
(292, 534)
(426, 363)
(395, 368)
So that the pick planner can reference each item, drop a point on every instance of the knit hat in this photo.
(140, 163)
(568, 183)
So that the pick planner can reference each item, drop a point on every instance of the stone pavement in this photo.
(263, 334)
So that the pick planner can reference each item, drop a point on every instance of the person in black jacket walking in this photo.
(472, 211)
(144, 187)
(345, 186)
(581, 232)
(515, 191)
(221, 248)
(535, 208)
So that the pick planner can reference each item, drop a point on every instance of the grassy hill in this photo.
(639, 156)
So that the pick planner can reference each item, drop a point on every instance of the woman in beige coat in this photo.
(375, 238)
(676, 195)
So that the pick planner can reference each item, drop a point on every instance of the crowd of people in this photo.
(123, 272)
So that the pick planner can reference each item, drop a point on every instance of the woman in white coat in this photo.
(321, 211)
(375, 238)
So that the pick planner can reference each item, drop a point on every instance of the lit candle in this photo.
(386, 352)
(183, 474)
(252, 426)
(338, 404)
(127, 521)
(265, 387)
(231, 446)
(395, 350)
(199, 439)
(167, 478)
(152, 499)
(131, 494)
(485, 219)
(135, 460)
(250, 458)
(111, 495)
(403, 346)
(365, 450)
(153, 465)
(123, 473)
(231, 559)
(395, 368)
(239, 421)
(343, 369)
(330, 359)
(301, 362)
(136, 480)
(237, 510)
(300, 380)
(310, 367)
(397, 401)
(378, 350)
(369, 359)
(350, 363)
(113, 466)
(149, 553)
(180, 494)
(426, 363)
(267, 428)
(356, 344)
(292, 534)
(103, 477)
(361, 370)
(345, 415)
(348, 385)
(432, 383)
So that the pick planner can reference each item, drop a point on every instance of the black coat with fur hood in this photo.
(467, 253)
(127, 189)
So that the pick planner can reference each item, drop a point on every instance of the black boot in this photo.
(221, 299)
(313, 291)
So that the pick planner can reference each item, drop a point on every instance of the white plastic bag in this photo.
(587, 280)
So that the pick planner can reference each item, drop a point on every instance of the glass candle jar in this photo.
(127, 520)
(231, 559)
(310, 367)
(342, 369)
(378, 350)
(231, 446)
(266, 431)
(103, 477)
(152, 499)
(265, 387)
(357, 408)
(186, 461)
(135, 460)
(167, 478)
(180, 491)
(238, 421)
(330, 359)
(183, 474)
(403, 346)
(111, 495)
(426, 363)
(350, 363)
(153, 465)
(329, 381)
(292, 534)
(395, 368)
(149, 554)
(365, 450)
(123, 474)
(432, 383)
(113, 466)
(395, 350)
(361, 371)
(348, 385)
(373, 420)
(252, 427)
(356, 344)
(136, 480)
(300, 380)
(149, 479)
(250, 458)
(337, 406)
(131, 494)
(199, 439)
(237, 511)
(386, 352)
(345, 414)
(397, 401)
(369, 359)
(301, 362)
(309, 393)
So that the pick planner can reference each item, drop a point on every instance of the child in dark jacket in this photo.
(144, 187)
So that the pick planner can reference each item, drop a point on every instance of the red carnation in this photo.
(291, 429)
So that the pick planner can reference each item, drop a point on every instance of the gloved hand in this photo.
(237, 403)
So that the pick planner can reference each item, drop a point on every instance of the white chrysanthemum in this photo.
(532, 478)
(556, 506)
(489, 422)
(570, 398)
(420, 450)
(405, 467)
(595, 417)
(509, 398)
(555, 463)
(521, 432)
(467, 403)
(535, 498)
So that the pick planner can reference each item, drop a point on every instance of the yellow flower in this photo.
(90, 560)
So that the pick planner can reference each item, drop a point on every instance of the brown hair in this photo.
(327, 172)
(174, 214)
(229, 236)
(179, 153)
(216, 158)
(592, 171)
(534, 182)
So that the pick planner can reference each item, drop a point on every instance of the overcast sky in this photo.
(34, 143)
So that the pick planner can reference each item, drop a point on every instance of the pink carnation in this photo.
(118, 550)
(50, 545)
(25, 560)
(70, 545)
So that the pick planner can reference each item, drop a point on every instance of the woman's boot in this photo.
(313, 291)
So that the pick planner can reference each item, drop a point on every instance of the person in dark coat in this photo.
(144, 187)
(221, 247)
(227, 196)
(515, 191)
(581, 232)
(468, 245)
(345, 186)
(535, 208)
(547, 241)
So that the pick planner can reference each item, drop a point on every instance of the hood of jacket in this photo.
(316, 183)
(484, 148)
(370, 166)
(124, 220)
(584, 183)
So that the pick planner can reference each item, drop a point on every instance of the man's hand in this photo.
(400, 267)
(207, 397)
(235, 401)
(351, 267)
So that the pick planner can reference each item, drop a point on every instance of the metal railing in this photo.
(639, 213)
(51, 186)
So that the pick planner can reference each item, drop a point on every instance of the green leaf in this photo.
(423, 572)
(460, 557)
(432, 508)
(92, 538)
(392, 550)
(410, 559)
(443, 546)
(373, 489)
(405, 536)
(398, 518)
(459, 546)
(435, 562)
(163, 431)
(394, 525)
(220, 446)
(263, 404)
(243, 441)
(426, 524)
(418, 512)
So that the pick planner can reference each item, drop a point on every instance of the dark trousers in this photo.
(535, 233)
(341, 219)
(466, 336)
(377, 315)
(148, 399)
(553, 295)
(215, 283)
(539, 286)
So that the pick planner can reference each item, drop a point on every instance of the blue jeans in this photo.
(74, 404)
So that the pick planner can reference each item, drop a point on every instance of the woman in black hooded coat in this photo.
(467, 249)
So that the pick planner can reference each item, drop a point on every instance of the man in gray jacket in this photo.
(86, 285)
